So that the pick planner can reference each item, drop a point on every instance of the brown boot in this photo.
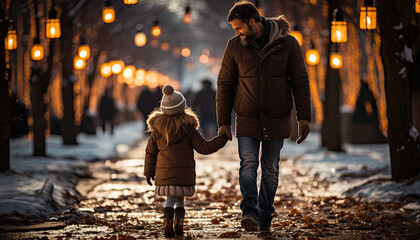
(179, 221)
(168, 215)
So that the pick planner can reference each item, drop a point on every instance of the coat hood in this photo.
(158, 121)
(279, 28)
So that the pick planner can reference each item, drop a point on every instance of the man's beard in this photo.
(249, 36)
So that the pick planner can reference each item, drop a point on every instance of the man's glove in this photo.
(148, 180)
(225, 129)
(303, 130)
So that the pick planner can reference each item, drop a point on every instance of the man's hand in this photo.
(303, 130)
(225, 129)
(148, 180)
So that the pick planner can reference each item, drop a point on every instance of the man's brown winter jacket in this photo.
(174, 164)
(258, 85)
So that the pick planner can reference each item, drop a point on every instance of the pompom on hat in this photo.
(173, 102)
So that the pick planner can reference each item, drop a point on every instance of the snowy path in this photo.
(120, 205)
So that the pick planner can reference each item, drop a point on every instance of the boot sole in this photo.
(249, 225)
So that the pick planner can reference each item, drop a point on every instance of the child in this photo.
(170, 155)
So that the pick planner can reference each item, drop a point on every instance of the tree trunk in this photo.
(5, 109)
(40, 79)
(397, 38)
(68, 127)
(38, 111)
(331, 130)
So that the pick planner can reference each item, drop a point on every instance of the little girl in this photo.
(170, 155)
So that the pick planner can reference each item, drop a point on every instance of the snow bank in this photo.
(43, 186)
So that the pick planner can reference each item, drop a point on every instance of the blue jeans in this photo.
(259, 204)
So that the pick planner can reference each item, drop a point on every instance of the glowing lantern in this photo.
(53, 28)
(338, 27)
(186, 52)
(11, 39)
(417, 6)
(108, 12)
(84, 51)
(37, 50)
(312, 56)
(313, 2)
(156, 30)
(130, 2)
(79, 63)
(187, 18)
(106, 70)
(336, 61)
(140, 39)
(367, 15)
(297, 34)
(117, 66)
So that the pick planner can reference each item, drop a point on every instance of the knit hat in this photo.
(173, 102)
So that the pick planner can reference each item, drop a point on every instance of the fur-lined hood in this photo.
(157, 121)
(279, 28)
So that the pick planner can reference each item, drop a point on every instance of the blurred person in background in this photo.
(107, 110)
(204, 104)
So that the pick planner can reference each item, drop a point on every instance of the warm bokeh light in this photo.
(336, 61)
(417, 6)
(186, 52)
(130, 2)
(313, 2)
(106, 70)
(152, 79)
(117, 66)
(205, 51)
(187, 18)
(129, 71)
(11, 40)
(79, 63)
(312, 57)
(53, 28)
(204, 59)
(367, 17)
(164, 46)
(108, 14)
(156, 30)
(140, 39)
(140, 77)
(298, 36)
(154, 42)
(163, 80)
(37, 52)
(84, 51)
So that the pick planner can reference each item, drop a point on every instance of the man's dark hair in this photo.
(243, 11)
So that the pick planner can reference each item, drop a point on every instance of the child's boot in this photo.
(179, 221)
(168, 215)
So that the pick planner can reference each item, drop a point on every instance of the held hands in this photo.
(148, 180)
(225, 129)
(303, 130)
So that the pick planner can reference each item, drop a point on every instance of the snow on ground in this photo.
(361, 170)
(42, 186)
(36, 185)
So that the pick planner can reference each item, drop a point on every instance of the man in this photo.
(262, 67)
